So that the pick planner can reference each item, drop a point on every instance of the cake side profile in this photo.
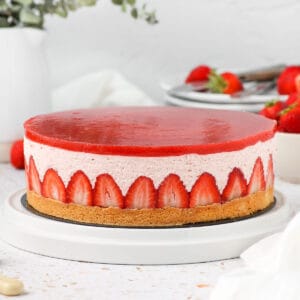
(149, 166)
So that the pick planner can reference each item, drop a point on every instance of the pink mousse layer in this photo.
(125, 169)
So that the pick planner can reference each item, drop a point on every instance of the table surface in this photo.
(48, 278)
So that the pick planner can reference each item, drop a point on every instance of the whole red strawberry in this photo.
(225, 83)
(289, 80)
(292, 98)
(200, 73)
(17, 154)
(289, 120)
(272, 109)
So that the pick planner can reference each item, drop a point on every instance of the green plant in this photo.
(30, 13)
(136, 13)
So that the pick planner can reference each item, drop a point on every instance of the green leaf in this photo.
(71, 5)
(60, 10)
(30, 17)
(87, 2)
(24, 2)
(117, 2)
(15, 8)
(134, 13)
(151, 18)
(131, 2)
(4, 22)
(3, 6)
(124, 7)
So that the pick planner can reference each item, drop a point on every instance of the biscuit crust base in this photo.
(169, 216)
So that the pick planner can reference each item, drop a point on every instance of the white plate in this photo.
(198, 104)
(28, 231)
(213, 98)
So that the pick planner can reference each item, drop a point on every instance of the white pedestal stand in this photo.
(23, 229)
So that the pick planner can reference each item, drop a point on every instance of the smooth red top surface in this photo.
(149, 131)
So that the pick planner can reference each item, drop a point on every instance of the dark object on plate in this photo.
(262, 74)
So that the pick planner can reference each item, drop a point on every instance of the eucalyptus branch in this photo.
(136, 13)
(31, 13)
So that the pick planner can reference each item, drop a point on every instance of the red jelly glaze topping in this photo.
(149, 131)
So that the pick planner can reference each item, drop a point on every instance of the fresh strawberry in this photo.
(34, 177)
(297, 83)
(79, 189)
(107, 193)
(293, 98)
(257, 179)
(236, 186)
(17, 154)
(204, 191)
(289, 120)
(225, 83)
(141, 194)
(53, 186)
(287, 82)
(172, 193)
(272, 109)
(270, 173)
(200, 73)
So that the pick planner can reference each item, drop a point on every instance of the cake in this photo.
(158, 166)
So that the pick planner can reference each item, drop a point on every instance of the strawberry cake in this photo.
(159, 166)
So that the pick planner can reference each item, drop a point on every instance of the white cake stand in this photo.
(26, 230)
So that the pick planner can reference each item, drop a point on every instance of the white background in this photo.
(234, 33)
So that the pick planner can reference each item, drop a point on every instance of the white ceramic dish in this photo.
(287, 157)
(28, 231)
(198, 104)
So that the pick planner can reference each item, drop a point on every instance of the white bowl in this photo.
(287, 156)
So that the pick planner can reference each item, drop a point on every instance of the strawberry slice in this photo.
(172, 193)
(205, 191)
(33, 177)
(257, 179)
(53, 186)
(141, 194)
(79, 189)
(107, 193)
(270, 173)
(236, 186)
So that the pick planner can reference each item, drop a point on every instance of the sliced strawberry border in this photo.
(142, 193)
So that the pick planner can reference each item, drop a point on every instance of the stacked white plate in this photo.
(252, 103)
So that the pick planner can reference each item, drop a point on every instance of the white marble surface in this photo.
(50, 278)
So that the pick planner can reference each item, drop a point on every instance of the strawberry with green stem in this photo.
(289, 120)
(224, 83)
(272, 109)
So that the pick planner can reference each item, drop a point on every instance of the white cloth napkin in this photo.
(103, 88)
(272, 269)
